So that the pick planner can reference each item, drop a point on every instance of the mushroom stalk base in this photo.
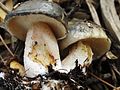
(41, 50)
(80, 52)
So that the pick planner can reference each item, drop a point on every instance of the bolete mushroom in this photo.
(85, 40)
(41, 23)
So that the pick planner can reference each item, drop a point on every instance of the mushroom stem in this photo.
(80, 52)
(41, 50)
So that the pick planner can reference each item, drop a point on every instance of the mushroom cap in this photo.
(24, 16)
(89, 33)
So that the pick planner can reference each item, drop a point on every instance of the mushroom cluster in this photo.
(41, 24)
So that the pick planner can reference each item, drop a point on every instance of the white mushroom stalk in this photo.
(80, 52)
(41, 50)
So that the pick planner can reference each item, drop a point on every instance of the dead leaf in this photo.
(9, 4)
(4, 9)
(93, 11)
(111, 18)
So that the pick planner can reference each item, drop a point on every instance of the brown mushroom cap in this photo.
(23, 17)
(88, 33)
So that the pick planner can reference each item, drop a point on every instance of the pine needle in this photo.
(110, 85)
(4, 8)
(6, 46)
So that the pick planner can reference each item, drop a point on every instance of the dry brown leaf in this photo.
(2, 15)
(111, 18)
(9, 4)
(93, 11)
(5, 8)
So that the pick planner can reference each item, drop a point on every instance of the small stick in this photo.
(1, 58)
(115, 69)
(102, 81)
(114, 78)
(6, 46)
(4, 8)
(12, 42)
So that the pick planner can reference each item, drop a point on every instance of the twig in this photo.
(115, 69)
(110, 85)
(4, 8)
(1, 58)
(12, 42)
(75, 8)
(6, 46)
(114, 77)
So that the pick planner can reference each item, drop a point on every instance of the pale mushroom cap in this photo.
(90, 34)
(23, 17)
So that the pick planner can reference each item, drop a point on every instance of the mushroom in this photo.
(41, 23)
(85, 41)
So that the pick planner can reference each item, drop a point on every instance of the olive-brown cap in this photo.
(89, 33)
(24, 16)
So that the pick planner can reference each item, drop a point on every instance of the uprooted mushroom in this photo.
(85, 41)
(41, 23)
